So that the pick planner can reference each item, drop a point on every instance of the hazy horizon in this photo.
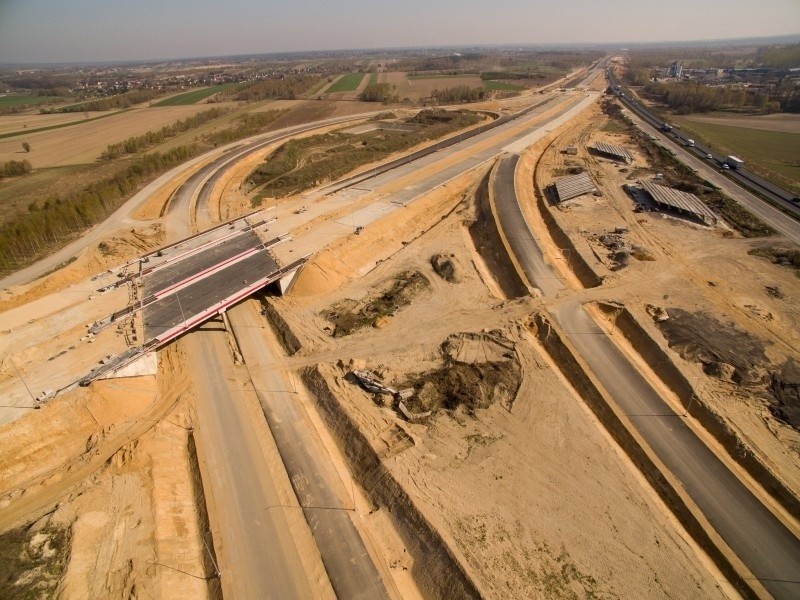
(49, 31)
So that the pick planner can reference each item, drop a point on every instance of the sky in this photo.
(34, 31)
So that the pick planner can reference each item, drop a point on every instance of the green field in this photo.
(373, 79)
(346, 83)
(20, 100)
(491, 85)
(194, 96)
(775, 155)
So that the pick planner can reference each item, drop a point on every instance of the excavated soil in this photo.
(348, 316)
(477, 371)
(724, 350)
(444, 267)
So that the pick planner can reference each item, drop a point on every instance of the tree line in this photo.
(380, 92)
(690, 97)
(125, 100)
(244, 126)
(289, 86)
(136, 144)
(460, 93)
(32, 234)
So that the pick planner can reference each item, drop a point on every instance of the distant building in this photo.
(675, 70)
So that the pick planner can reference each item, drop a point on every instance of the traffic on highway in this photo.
(781, 198)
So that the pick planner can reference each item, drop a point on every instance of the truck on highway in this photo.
(734, 162)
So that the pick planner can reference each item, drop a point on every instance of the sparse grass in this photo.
(614, 126)
(785, 257)
(317, 87)
(304, 163)
(346, 83)
(775, 155)
(31, 564)
(491, 85)
(194, 96)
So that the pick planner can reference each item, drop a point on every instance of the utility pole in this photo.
(27, 389)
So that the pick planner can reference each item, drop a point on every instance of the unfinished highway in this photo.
(348, 566)
(762, 541)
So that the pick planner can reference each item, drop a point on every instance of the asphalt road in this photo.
(183, 304)
(180, 207)
(196, 263)
(760, 540)
(779, 221)
(516, 230)
(255, 545)
(326, 502)
(745, 178)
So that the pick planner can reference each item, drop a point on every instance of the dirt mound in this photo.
(785, 388)
(349, 316)
(699, 337)
(322, 274)
(444, 267)
(620, 250)
(108, 253)
(476, 348)
(478, 370)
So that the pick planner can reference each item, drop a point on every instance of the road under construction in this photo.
(212, 268)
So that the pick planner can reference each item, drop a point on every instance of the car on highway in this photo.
(725, 166)
(710, 156)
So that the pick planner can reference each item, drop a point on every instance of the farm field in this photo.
(346, 83)
(83, 142)
(418, 87)
(11, 100)
(22, 122)
(789, 123)
(317, 87)
(774, 155)
(194, 96)
(438, 76)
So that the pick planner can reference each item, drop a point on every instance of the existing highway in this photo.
(759, 538)
(745, 178)
(778, 220)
